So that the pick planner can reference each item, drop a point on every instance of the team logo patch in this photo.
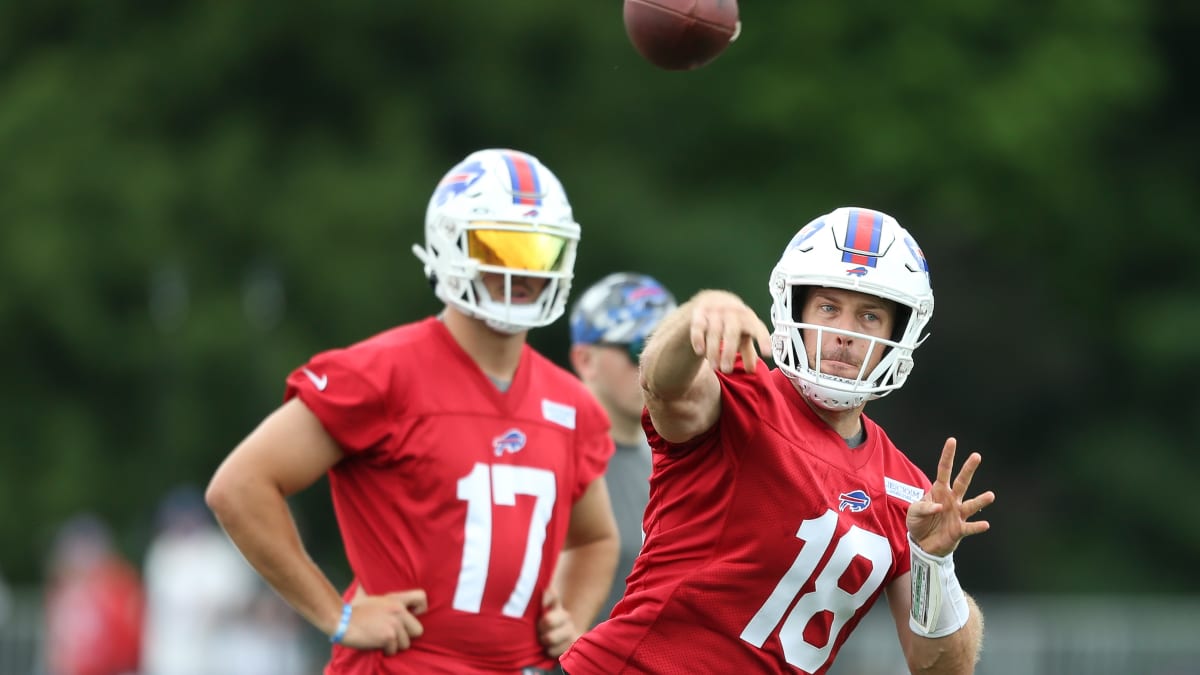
(510, 441)
(853, 501)
(857, 272)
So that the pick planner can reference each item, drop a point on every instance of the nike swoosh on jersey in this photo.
(319, 382)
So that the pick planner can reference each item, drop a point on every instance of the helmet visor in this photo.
(516, 249)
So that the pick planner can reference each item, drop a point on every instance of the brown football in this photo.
(681, 34)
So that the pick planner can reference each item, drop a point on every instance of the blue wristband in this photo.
(340, 633)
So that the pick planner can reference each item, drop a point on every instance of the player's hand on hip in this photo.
(556, 628)
(723, 326)
(941, 518)
(388, 622)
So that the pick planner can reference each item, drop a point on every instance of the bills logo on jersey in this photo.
(853, 501)
(511, 441)
(457, 181)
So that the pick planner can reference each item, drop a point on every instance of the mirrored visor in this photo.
(530, 251)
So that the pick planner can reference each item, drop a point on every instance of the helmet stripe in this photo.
(526, 186)
(862, 234)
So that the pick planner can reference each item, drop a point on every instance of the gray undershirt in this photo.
(857, 439)
(628, 480)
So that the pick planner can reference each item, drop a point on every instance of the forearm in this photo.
(258, 521)
(670, 364)
(954, 654)
(584, 577)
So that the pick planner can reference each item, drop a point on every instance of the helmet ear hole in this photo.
(799, 299)
(903, 314)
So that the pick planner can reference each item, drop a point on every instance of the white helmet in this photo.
(503, 212)
(859, 250)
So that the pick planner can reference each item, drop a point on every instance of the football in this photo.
(681, 34)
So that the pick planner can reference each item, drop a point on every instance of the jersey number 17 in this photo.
(498, 485)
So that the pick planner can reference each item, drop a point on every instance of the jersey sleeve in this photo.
(595, 445)
(350, 407)
(740, 390)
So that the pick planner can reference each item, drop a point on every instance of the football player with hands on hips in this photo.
(466, 469)
(779, 512)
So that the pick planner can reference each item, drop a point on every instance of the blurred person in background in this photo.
(203, 602)
(610, 324)
(461, 461)
(5, 600)
(94, 603)
(779, 512)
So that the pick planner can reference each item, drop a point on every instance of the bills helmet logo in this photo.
(853, 501)
(458, 181)
(917, 254)
(510, 441)
(857, 272)
(805, 234)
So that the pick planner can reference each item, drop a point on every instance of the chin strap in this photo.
(939, 606)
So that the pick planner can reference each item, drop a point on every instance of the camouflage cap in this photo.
(620, 309)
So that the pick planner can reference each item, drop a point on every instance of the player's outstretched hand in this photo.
(388, 622)
(720, 320)
(556, 628)
(939, 520)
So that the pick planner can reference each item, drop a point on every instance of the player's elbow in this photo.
(228, 494)
(219, 496)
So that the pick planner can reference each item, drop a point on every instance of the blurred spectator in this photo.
(207, 612)
(609, 327)
(94, 603)
(267, 642)
(5, 600)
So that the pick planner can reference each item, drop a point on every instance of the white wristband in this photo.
(939, 606)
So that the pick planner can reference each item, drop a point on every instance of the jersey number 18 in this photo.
(826, 595)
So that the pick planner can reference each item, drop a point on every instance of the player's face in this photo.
(524, 289)
(614, 379)
(843, 355)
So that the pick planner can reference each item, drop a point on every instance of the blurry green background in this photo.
(198, 196)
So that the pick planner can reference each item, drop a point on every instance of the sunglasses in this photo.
(633, 348)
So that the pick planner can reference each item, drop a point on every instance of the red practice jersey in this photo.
(767, 540)
(452, 486)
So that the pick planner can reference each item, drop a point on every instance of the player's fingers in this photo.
(699, 332)
(551, 598)
(967, 474)
(749, 355)
(391, 646)
(411, 626)
(946, 463)
(731, 342)
(763, 336)
(976, 527)
(414, 600)
(556, 649)
(402, 640)
(552, 633)
(972, 507)
(921, 508)
(712, 343)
